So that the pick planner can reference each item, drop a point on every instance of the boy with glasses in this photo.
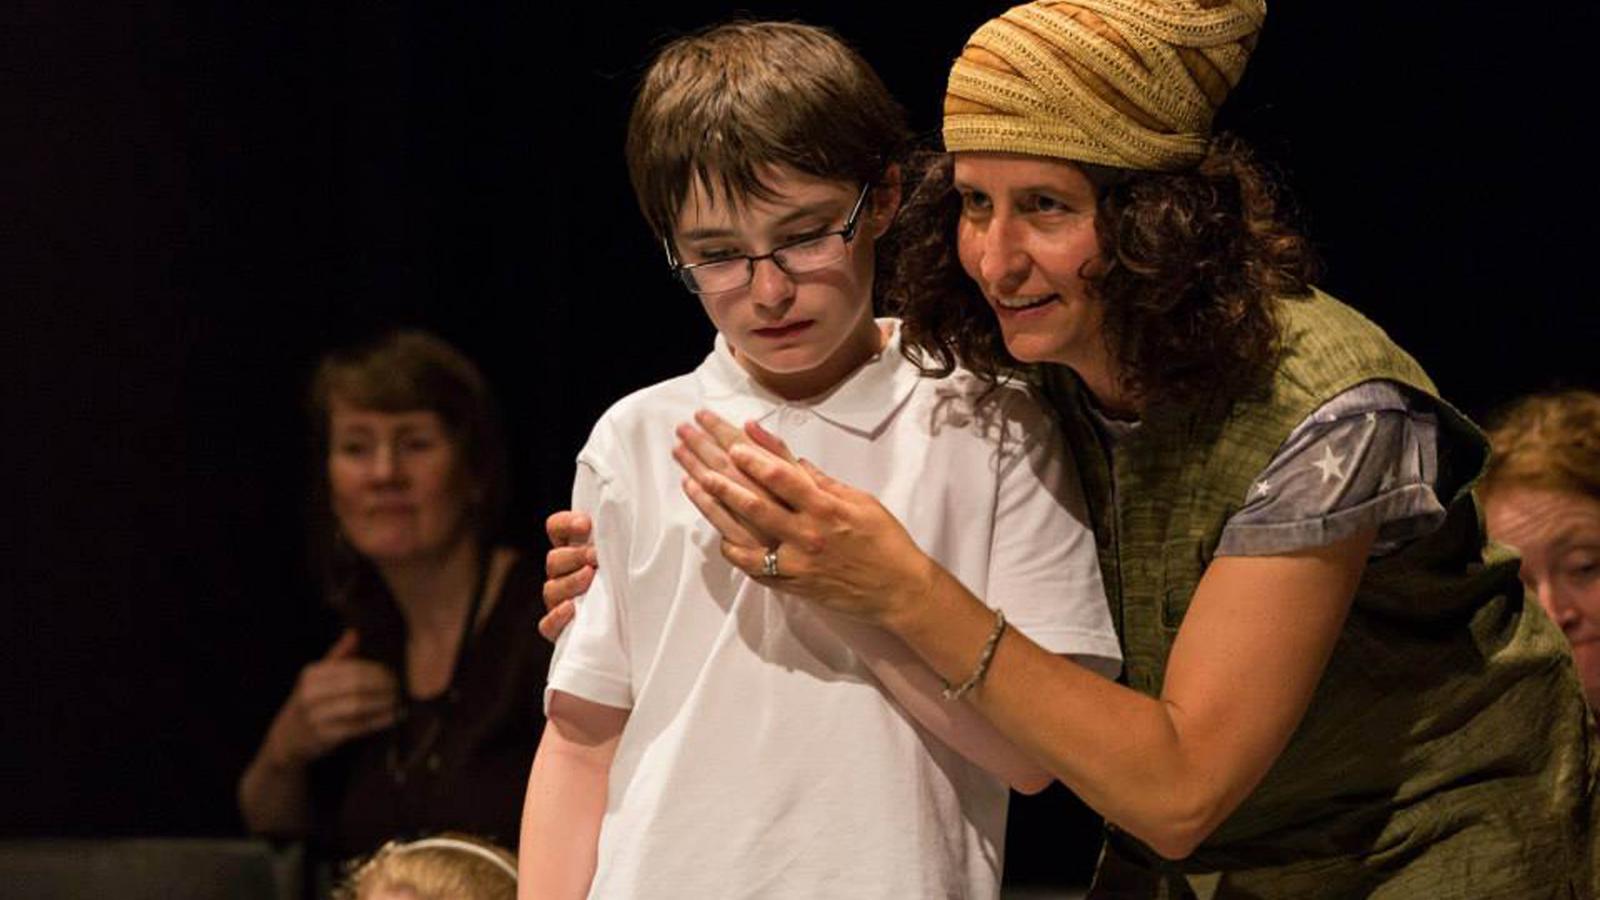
(706, 736)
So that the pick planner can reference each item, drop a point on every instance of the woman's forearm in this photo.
(907, 679)
(1114, 747)
(274, 797)
(1168, 769)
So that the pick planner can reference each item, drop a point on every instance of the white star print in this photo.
(1371, 417)
(1329, 464)
(1263, 488)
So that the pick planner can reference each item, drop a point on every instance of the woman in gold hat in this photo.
(1334, 689)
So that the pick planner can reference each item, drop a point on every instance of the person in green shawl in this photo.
(1334, 686)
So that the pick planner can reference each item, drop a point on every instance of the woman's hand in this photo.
(834, 544)
(569, 569)
(337, 698)
(702, 451)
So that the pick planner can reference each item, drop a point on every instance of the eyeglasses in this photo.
(807, 254)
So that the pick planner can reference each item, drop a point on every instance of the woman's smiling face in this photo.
(399, 486)
(1027, 237)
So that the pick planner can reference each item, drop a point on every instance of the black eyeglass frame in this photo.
(684, 272)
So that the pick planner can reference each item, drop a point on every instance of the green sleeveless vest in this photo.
(1447, 751)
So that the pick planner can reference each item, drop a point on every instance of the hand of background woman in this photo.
(836, 545)
(335, 699)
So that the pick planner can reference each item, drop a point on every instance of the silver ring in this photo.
(769, 563)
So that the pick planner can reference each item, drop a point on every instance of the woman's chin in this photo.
(1027, 348)
(390, 552)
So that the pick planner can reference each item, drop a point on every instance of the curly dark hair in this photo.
(1191, 262)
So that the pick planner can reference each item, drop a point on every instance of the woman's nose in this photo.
(1004, 265)
(1562, 612)
(385, 463)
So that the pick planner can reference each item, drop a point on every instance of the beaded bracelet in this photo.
(984, 658)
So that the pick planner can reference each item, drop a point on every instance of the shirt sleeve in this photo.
(1368, 457)
(1044, 572)
(591, 659)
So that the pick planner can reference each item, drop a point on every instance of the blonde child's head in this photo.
(449, 866)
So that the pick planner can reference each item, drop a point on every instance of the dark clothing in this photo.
(1446, 752)
(457, 762)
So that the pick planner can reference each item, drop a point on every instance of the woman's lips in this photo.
(1017, 305)
(390, 509)
(783, 331)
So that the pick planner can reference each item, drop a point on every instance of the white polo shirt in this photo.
(761, 759)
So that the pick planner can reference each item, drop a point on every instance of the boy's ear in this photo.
(885, 201)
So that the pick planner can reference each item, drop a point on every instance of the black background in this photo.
(202, 198)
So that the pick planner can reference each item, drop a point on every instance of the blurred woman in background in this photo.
(1541, 495)
(425, 713)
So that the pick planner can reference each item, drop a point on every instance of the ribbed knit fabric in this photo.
(1128, 83)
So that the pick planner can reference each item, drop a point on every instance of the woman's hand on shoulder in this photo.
(569, 569)
(336, 698)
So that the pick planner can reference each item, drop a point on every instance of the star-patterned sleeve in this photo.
(1369, 456)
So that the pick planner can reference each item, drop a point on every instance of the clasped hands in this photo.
(833, 544)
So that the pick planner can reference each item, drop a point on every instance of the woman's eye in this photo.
(350, 448)
(418, 444)
(974, 201)
(718, 254)
(1582, 569)
(1045, 203)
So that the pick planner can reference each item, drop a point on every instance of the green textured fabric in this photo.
(1447, 751)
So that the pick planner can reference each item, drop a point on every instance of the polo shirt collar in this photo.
(863, 403)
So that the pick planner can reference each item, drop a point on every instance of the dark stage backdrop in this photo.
(205, 196)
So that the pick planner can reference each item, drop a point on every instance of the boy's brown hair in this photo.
(719, 106)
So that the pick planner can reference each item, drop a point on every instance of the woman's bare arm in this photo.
(1247, 658)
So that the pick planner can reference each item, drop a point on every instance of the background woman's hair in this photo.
(405, 371)
(426, 872)
(1191, 263)
(1547, 441)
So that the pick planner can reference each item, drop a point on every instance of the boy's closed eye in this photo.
(802, 238)
(715, 254)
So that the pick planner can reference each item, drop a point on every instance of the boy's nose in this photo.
(770, 285)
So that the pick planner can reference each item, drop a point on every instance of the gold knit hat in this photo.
(1126, 83)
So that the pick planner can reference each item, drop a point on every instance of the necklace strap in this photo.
(468, 632)
(400, 762)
